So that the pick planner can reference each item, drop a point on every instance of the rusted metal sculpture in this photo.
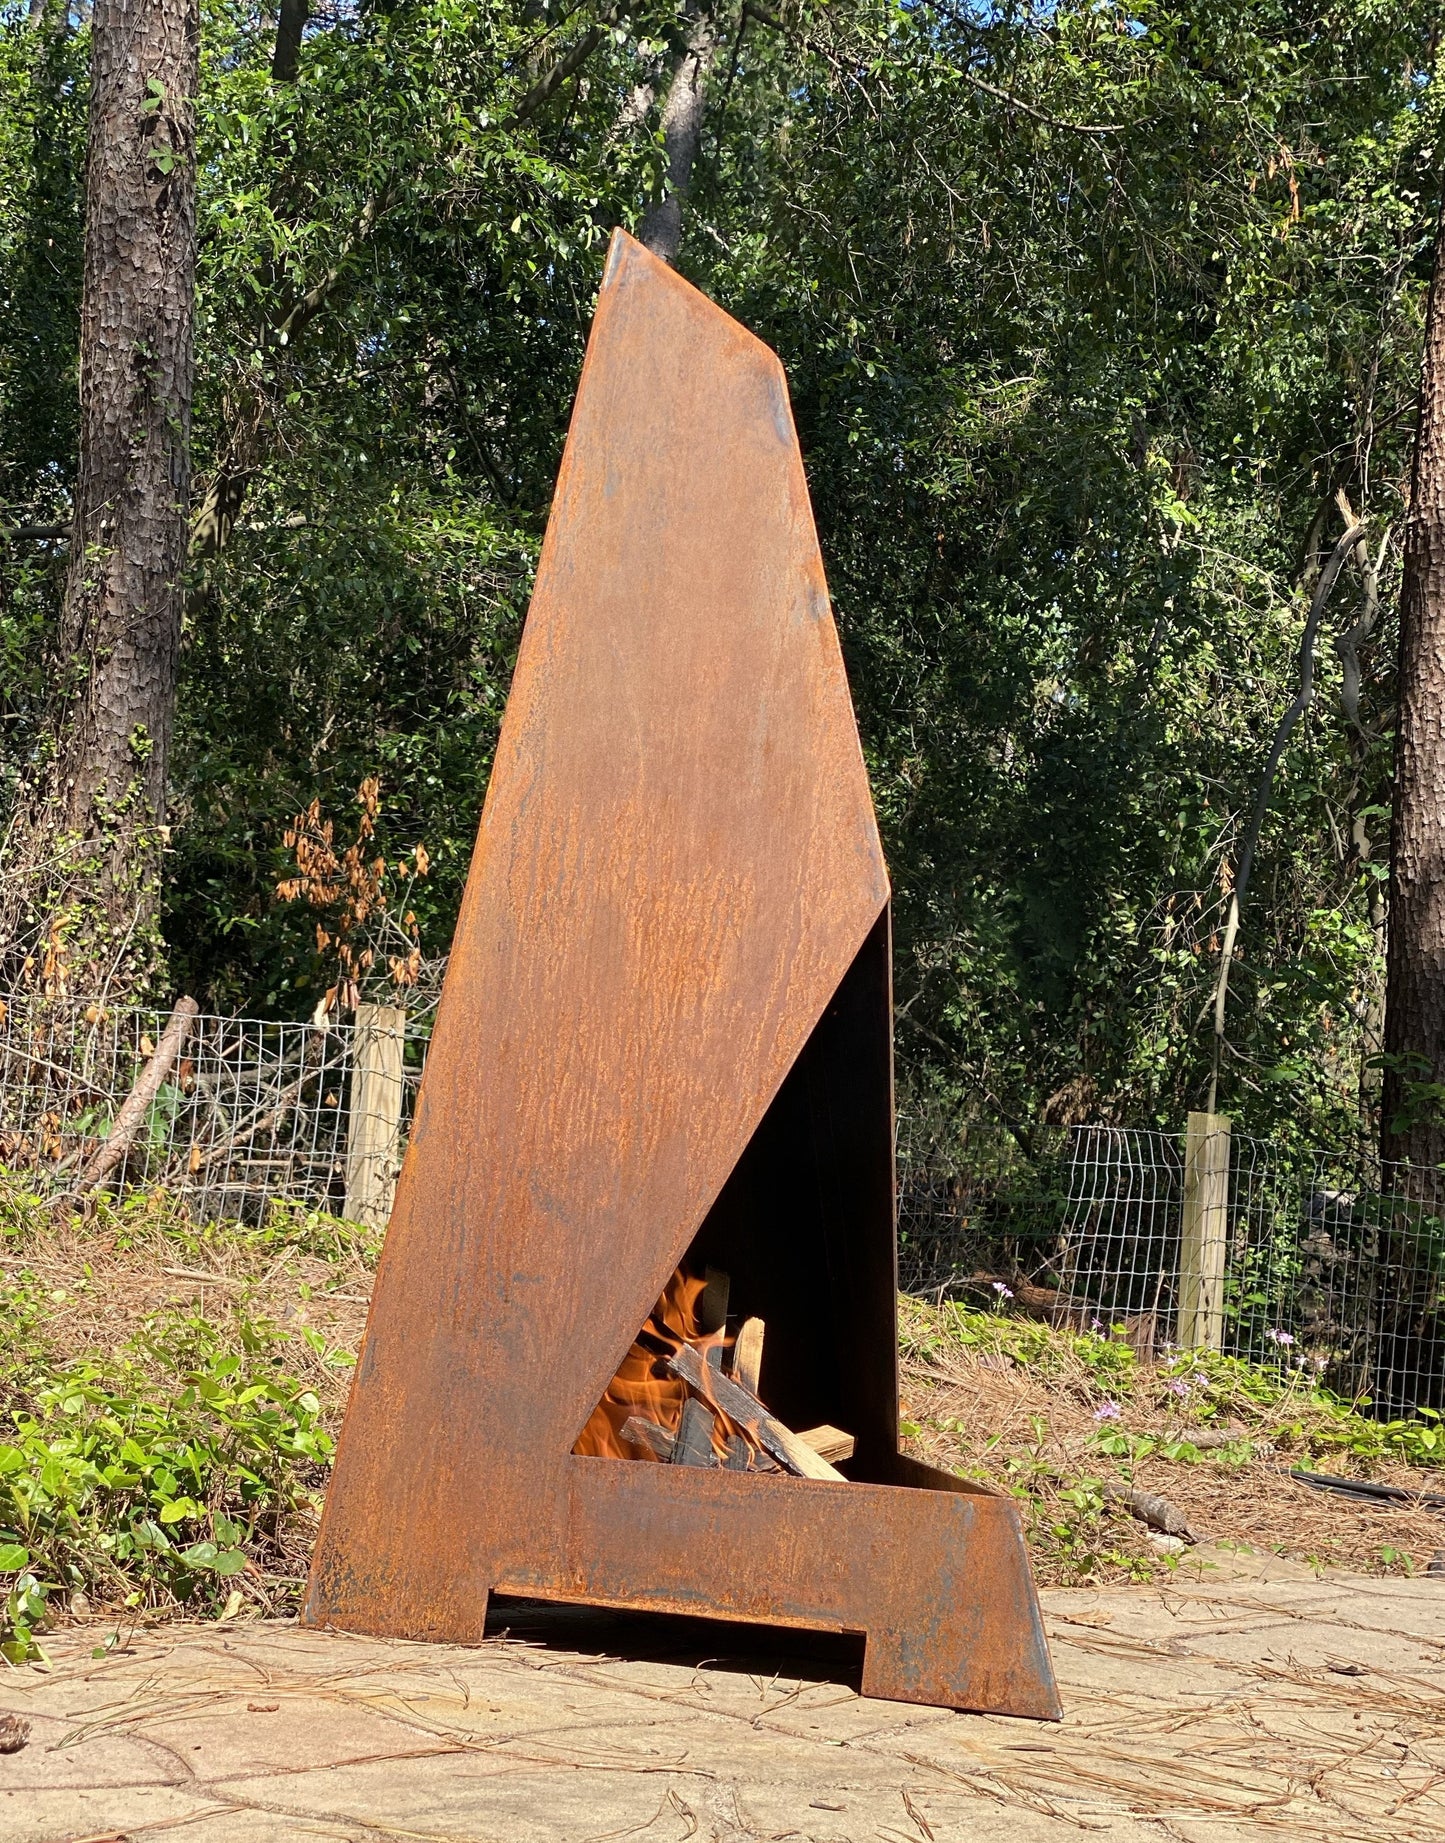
(665, 1033)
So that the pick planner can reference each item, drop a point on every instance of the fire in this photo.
(642, 1385)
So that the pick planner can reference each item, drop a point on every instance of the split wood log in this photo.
(829, 1442)
(730, 1398)
(712, 1301)
(1157, 1512)
(137, 1103)
(739, 1454)
(657, 1440)
(694, 1437)
(748, 1355)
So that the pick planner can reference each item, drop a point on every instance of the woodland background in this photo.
(1091, 313)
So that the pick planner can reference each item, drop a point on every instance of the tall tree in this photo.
(1413, 1120)
(290, 25)
(683, 113)
(82, 884)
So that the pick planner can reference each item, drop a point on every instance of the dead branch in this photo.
(138, 1102)
(1304, 697)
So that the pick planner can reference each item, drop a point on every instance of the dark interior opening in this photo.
(721, 1644)
(804, 1226)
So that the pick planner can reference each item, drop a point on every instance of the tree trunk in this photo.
(682, 119)
(85, 863)
(1413, 1121)
(290, 25)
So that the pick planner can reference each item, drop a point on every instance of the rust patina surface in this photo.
(665, 1032)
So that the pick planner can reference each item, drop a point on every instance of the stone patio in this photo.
(1212, 1709)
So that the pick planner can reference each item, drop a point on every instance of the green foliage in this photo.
(1189, 1409)
(186, 1464)
(1280, 1404)
(1088, 312)
(154, 1483)
(138, 1216)
(1106, 1359)
(1071, 403)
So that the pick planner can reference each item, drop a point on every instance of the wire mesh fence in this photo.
(1329, 1262)
(1332, 1263)
(249, 1112)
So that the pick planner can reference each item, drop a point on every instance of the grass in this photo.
(170, 1394)
(1052, 1415)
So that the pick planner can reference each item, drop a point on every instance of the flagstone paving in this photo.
(1211, 1710)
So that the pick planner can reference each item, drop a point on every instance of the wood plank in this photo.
(748, 1355)
(721, 1392)
(712, 1301)
(638, 1432)
(829, 1442)
(694, 1438)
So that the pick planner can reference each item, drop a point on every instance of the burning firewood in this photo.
(649, 1436)
(728, 1397)
(829, 1442)
(655, 1409)
(668, 1447)
(694, 1437)
(748, 1355)
(643, 1388)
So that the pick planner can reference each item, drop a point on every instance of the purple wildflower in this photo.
(1107, 1411)
(1004, 1292)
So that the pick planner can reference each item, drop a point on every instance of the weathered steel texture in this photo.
(665, 1025)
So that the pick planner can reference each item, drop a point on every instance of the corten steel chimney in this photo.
(665, 1029)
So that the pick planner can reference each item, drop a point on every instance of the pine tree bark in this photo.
(682, 120)
(85, 858)
(1412, 1120)
(290, 26)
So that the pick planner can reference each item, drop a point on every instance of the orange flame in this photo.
(643, 1385)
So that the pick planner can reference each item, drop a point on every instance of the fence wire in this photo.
(251, 1112)
(1326, 1262)
(1334, 1263)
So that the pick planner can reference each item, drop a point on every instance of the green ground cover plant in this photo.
(179, 1463)
(171, 1391)
(1205, 1390)
(1060, 1418)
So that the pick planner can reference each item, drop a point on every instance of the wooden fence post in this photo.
(374, 1132)
(1205, 1235)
